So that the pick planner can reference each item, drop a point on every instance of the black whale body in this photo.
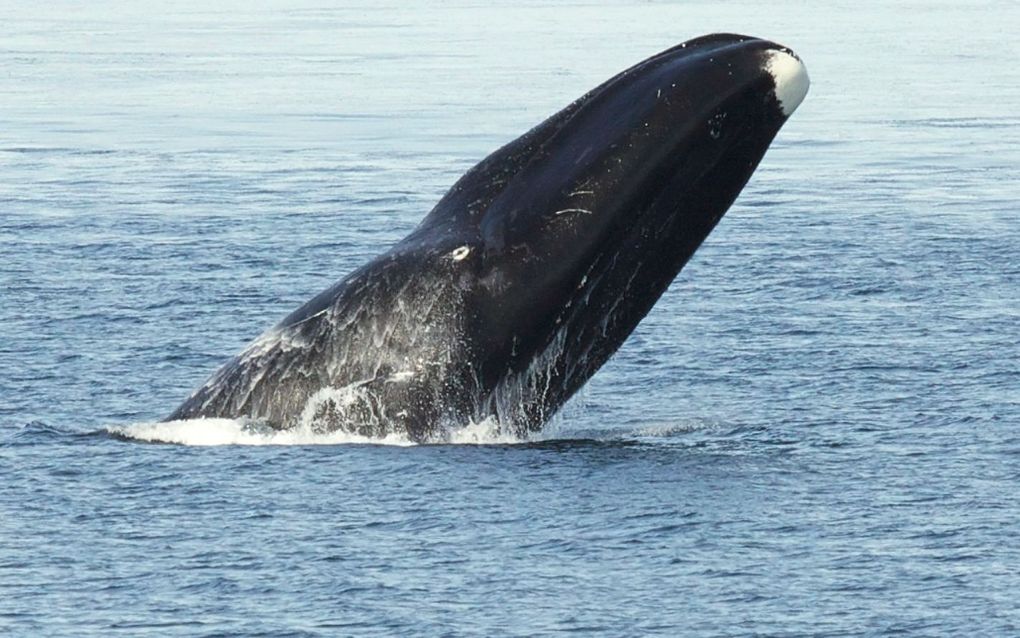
(536, 265)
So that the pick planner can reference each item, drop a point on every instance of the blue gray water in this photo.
(816, 431)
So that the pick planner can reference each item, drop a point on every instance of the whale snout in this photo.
(790, 77)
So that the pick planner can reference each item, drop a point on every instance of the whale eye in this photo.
(460, 253)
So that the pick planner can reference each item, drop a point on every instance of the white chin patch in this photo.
(791, 79)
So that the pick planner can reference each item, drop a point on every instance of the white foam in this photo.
(202, 432)
(209, 432)
(791, 79)
(217, 432)
(485, 432)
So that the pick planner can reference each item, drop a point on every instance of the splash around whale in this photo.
(534, 268)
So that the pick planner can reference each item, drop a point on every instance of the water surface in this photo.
(815, 432)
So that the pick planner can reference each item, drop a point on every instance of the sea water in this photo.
(815, 432)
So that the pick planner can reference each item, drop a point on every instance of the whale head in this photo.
(567, 236)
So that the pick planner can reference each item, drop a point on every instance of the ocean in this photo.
(816, 432)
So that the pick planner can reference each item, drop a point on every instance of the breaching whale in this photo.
(536, 265)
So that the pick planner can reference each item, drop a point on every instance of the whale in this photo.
(535, 267)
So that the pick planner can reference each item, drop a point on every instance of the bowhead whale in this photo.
(536, 265)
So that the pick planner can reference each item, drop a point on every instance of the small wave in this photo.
(34, 432)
